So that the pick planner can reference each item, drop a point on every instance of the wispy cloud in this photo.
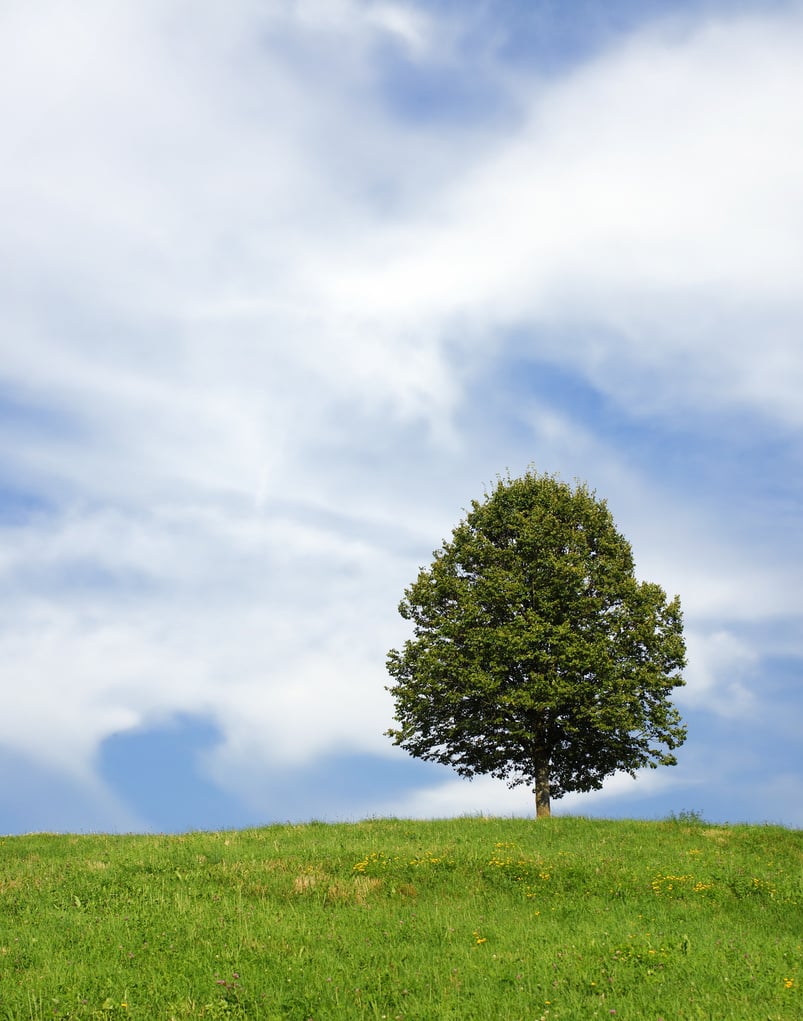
(257, 311)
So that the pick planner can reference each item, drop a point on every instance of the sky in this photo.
(286, 284)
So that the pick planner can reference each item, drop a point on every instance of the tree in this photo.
(537, 656)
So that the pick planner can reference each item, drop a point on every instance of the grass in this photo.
(493, 919)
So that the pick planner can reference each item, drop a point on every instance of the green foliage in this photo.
(537, 656)
(460, 919)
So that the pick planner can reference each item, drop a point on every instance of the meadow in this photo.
(473, 918)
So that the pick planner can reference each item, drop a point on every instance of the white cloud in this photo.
(721, 666)
(650, 200)
(482, 796)
(253, 300)
(407, 23)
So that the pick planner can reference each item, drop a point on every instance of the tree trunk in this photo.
(542, 804)
(541, 756)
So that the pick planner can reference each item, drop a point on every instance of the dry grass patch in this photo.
(718, 836)
(353, 891)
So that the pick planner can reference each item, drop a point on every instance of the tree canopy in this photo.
(537, 656)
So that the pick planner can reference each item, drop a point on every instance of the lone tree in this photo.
(537, 656)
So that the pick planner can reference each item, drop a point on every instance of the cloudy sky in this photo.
(286, 283)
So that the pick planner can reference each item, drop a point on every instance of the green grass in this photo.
(493, 919)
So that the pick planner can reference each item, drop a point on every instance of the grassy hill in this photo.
(480, 918)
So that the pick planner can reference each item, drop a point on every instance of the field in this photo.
(480, 918)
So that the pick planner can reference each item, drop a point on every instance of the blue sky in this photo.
(286, 284)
